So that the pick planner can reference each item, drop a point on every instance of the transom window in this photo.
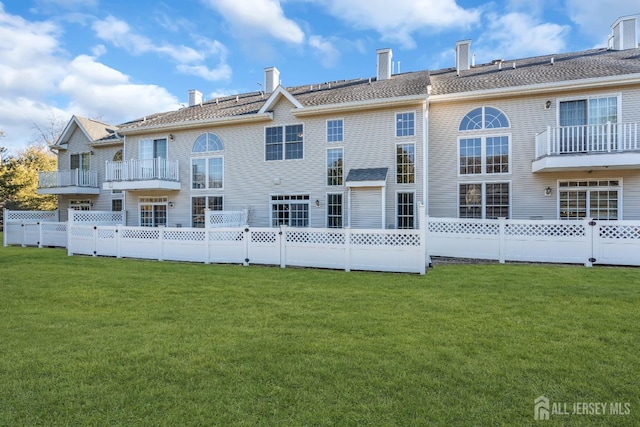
(290, 210)
(334, 210)
(80, 205)
(487, 200)
(406, 210)
(200, 204)
(484, 118)
(597, 199)
(335, 166)
(207, 142)
(484, 155)
(405, 124)
(153, 211)
(335, 130)
(405, 163)
(284, 142)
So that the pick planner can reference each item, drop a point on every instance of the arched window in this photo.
(484, 118)
(118, 156)
(207, 142)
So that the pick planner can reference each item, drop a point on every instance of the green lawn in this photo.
(101, 341)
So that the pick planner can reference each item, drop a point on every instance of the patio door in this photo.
(81, 163)
(153, 158)
(153, 211)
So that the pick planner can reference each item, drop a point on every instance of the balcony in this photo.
(148, 174)
(590, 147)
(73, 181)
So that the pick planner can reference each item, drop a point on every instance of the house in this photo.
(550, 137)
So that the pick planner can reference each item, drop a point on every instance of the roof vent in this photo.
(195, 97)
(463, 55)
(624, 33)
(384, 63)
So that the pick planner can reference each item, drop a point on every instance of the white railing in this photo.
(140, 170)
(604, 138)
(68, 178)
(578, 242)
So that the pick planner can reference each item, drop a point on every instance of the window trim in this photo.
(162, 203)
(284, 142)
(343, 177)
(619, 189)
(206, 167)
(483, 206)
(484, 128)
(326, 212)
(326, 128)
(206, 198)
(587, 98)
(153, 141)
(415, 210)
(306, 199)
(415, 122)
(483, 155)
(395, 163)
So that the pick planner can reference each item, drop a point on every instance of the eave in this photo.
(373, 104)
(196, 124)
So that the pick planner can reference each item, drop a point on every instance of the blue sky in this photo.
(115, 60)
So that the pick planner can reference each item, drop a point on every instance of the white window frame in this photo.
(415, 216)
(484, 120)
(284, 142)
(206, 204)
(153, 141)
(395, 163)
(327, 166)
(327, 130)
(588, 189)
(483, 195)
(587, 98)
(80, 204)
(483, 154)
(342, 215)
(146, 201)
(206, 173)
(397, 120)
(305, 199)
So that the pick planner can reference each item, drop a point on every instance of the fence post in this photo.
(161, 238)
(39, 234)
(588, 233)
(422, 225)
(502, 238)
(69, 226)
(347, 249)
(246, 246)
(118, 255)
(283, 246)
(95, 240)
(4, 227)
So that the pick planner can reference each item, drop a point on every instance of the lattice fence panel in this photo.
(57, 227)
(322, 238)
(185, 235)
(148, 234)
(383, 239)
(620, 232)
(545, 230)
(16, 216)
(479, 228)
(81, 232)
(226, 236)
(264, 236)
(106, 233)
(98, 217)
(227, 218)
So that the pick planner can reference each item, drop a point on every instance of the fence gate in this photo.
(615, 242)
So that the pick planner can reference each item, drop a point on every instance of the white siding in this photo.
(366, 205)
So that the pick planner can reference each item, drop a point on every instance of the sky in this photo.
(117, 60)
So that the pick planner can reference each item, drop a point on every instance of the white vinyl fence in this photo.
(579, 242)
(33, 228)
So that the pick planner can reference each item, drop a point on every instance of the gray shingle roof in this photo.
(588, 64)
(369, 174)
(98, 131)
(538, 70)
(345, 91)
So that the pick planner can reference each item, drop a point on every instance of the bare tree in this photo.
(48, 134)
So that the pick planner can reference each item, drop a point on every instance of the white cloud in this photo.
(223, 72)
(396, 21)
(261, 16)
(98, 90)
(516, 35)
(329, 55)
(595, 17)
(18, 118)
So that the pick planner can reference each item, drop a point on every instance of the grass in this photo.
(100, 341)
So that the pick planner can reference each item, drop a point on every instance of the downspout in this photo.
(425, 155)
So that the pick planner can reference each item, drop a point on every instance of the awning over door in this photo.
(370, 177)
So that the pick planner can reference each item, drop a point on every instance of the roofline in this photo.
(358, 105)
(194, 124)
(280, 91)
(592, 83)
(107, 143)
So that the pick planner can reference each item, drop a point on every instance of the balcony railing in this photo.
(68, 178)
(142, 170)
(589, 139)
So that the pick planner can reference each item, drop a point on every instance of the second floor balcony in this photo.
(146, 174)
(74, 181)
(588, 147)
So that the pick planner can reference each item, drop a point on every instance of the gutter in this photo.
(194, 124)
(360, 105)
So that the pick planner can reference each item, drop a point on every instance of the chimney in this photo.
(271, 79)
(384, 64)
(624, 33)
(195, 97)
(463, 54)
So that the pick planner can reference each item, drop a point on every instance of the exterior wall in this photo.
(250, 181)
(528, 116)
